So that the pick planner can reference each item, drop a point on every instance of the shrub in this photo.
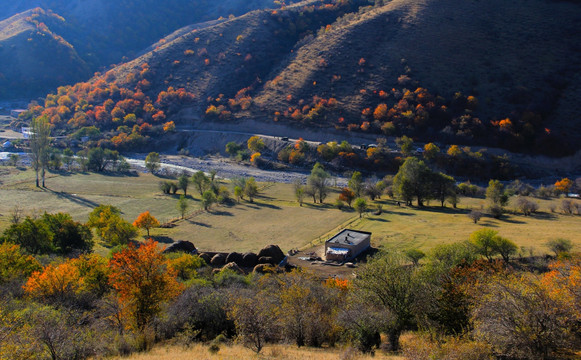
(560, 245)
(475, 215)
(495, 211)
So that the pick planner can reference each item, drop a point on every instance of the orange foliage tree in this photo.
(54, 282)
(146, 221)
(143, 282)
(563, 185)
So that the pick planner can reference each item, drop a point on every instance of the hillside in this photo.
(101, 33)
(25, 42)
(468, 72)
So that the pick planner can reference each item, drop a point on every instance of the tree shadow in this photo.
(398, 213)
(221, 213)
(199, 224)
(73, 198)
(487, 224)
(162, 239)
(270, 206)
(544, 216)
(511, 221)
(378, 219)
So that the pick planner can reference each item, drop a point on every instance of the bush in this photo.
(475, 215)
(560, 246)
(495, 211)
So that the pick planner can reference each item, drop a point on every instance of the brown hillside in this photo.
(518, 58)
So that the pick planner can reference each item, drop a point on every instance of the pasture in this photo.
(274, 217)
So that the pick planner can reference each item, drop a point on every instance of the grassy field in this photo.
(236, 352)
(274, 217)
(401, 227)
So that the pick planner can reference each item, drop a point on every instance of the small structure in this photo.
(347, 244)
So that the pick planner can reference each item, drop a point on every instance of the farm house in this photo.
(347, 244)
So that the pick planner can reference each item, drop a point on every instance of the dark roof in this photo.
(349, 237)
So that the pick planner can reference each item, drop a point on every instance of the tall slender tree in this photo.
(39, 147)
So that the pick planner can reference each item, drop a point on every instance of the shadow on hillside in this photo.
(73, 198)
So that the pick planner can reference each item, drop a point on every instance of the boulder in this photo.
(182, 246)
(206, 257)
(234, 257)
(266, 260)
(234, 267)
(218, 260)
(272, 251)
(249, 260)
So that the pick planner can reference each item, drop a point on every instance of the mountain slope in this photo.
(31, 56)
(491, 73)
(103, 32)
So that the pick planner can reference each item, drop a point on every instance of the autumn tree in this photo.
(431, 150)
(55, 283)
(39, 146)
(152, 162)
(14, 264)
(146, 221)
(347, 195)
(255, 144)
(111, 227)
(564, 185)
(143, 282)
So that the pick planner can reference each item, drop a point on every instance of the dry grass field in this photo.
(274, 217)
(237, 352)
